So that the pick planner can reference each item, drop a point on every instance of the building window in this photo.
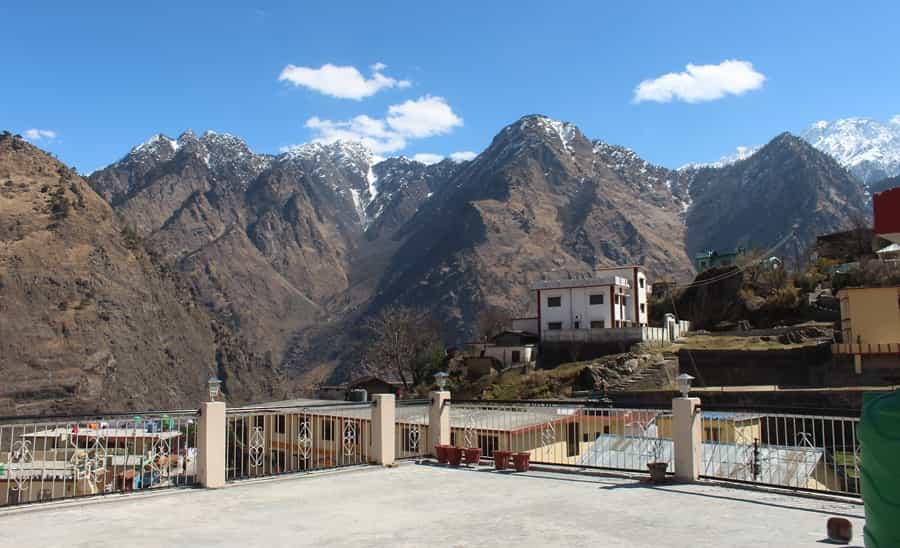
(712, 434)
(576, 324)
(641, 283)
(328, 430)
(606, 429)
(516, 356)
(554, 326)
(596, 299)
(618, 323)
(616, 299)
(259, 421)
(643, 307)
(554, 302)
(598, 324)
(453, 438)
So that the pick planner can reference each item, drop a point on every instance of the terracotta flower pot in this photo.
(501, 459)
(440, 451)
(454, 455)
(473, 455)
(657, 471)
(520, 461)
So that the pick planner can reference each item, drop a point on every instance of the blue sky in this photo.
(100, 77)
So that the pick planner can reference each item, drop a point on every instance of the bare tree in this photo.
(405, 342)
(492, 321)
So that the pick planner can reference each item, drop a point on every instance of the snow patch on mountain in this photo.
(740, 153)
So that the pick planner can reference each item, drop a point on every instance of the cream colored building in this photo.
(870, 325)
(870, 315)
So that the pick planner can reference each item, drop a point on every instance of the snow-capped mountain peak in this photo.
(868, 148)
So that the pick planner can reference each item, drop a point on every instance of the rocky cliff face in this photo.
(759, 200)
(89, 321)
(541, 197)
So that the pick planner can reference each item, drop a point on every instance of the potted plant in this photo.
(501, 459)
(473, 455)
(520, 461)
(454, 455)
(440, 451)
(656, 467)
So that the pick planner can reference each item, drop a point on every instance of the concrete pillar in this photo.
(439, 420)
(383, 429)
(211, 444)
(857, 364)
(687, 437)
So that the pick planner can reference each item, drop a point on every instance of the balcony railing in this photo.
(565, 433)
(58, 458)
(803, 452)
(276, 440)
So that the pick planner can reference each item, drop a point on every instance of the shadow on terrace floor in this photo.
(610, 480)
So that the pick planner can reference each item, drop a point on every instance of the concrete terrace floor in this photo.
(424, 505)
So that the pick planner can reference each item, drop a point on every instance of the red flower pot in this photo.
(440, 451)
(454, 455)
(501, 459)
(473, 455)
(520, 461)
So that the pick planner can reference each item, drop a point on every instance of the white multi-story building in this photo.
(605, 298)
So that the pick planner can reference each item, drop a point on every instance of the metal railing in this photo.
(44, 459)
(566, 433)
(411, 430)
(809, 452)
(268, 441)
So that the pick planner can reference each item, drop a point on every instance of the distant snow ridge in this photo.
(740, 153)
(868, 148)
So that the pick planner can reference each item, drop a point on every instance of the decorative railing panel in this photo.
(803, 452)
(269, 441)
(411, 430)
(583, 434)
(67, 457)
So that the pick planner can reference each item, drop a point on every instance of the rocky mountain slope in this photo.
(279, 247)
(541, 197)
(884, 184)
(757, 201)
(294, 251)
(88, 319)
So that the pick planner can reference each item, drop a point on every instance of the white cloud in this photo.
(35, 134)
(341, 82)
(463, 156)
(701, 83)
(427, 158)
(896, 119)
(371, 132)
(423, 117)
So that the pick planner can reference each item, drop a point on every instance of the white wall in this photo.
(638, 292)
(527, 354)
(575, 307)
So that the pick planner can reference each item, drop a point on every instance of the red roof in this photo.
(887, 211)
